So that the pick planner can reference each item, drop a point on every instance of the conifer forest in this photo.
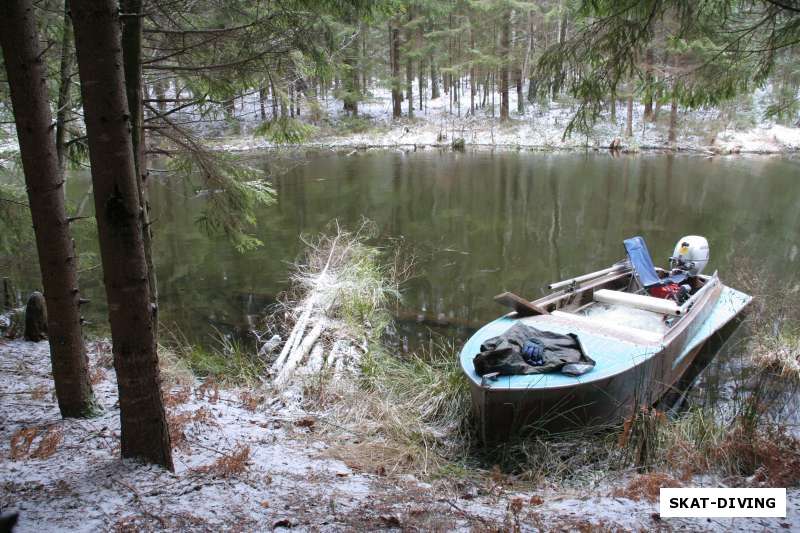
(399, 265)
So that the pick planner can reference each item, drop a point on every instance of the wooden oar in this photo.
(519, 304)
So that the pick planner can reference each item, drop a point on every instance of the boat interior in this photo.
(633, 296)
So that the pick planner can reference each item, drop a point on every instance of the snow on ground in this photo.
(69, 475)
(540, 127)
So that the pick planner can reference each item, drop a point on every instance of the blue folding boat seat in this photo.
(643, 267)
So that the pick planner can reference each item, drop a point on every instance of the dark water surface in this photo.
(479, 223)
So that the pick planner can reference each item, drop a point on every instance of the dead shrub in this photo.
(647, 486)
(175, 397)
(48, 444)
(208, 389)
(97, 375)
(250, 400)
(771, 457)
(104, 354)
(229, 465)
(21, 442)
(179, 422)
(39, 392)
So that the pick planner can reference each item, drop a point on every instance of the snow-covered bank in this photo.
(710, 131)
(246, 461)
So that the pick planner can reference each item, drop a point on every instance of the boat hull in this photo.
(503, 410)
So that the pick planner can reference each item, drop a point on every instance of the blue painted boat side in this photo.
(730, 303)
(612, 355)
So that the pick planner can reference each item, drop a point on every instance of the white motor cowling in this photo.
(691, 254)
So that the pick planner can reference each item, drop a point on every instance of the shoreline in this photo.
(237, 144)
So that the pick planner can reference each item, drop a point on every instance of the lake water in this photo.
(479, 223)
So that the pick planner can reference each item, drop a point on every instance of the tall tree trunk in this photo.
(505, 35)
(420, 67)
(25, 71)
(673, 120)
(409, 65)
(526, 64)
(64, 82)
(410, 86)
(648, 77)
(472, 90)
(657, 110)
(261, 99)
(520, 93)
(274, 95)
(364, 63)
(160, 88)
(629, 118)
(612, 104)
(421, 83)
(117, 209)
(394, 50)
(132, 62)
(351, 82)
(434, 80)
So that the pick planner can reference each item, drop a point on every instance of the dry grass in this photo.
(174, 370)
(647, 486)
(230, 464)
(408, 414)
(779, 354)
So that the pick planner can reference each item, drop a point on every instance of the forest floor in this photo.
(736, 128)
(245, 460)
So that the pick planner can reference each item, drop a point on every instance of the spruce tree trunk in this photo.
(629, 118)
(117, 209)
(612, 104)
(420, 68)
(648, 95)
(526, 64)
(65, 74)
(394, 50)
(409, 66)
(520, 97)
(274, 95)
(261, 99)
(364, 63)
(352, 91)
(505, 35)
(434, 80)
(132, 62)
(673, 120)
(25, 71)
(421, 83)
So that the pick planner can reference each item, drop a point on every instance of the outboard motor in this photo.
(690, 255)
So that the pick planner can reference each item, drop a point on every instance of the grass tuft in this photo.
(228, 361)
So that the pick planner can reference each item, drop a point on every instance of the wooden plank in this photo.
(522, 306)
